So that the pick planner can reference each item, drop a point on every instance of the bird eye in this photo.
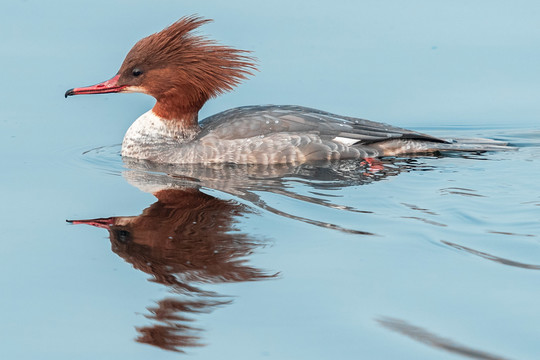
(123, 236)
(136, 72)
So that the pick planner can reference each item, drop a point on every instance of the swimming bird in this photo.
(182, 70)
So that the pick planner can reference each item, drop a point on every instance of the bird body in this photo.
(182, 71)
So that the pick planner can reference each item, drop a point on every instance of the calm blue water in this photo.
(424, 258)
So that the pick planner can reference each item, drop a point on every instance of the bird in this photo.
(182, 70)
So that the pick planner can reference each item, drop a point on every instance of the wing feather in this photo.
(253, 121)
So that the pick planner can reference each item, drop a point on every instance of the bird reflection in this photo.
(188, 238)
(246, 182)
(185, 239)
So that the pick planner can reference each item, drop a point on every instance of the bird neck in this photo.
(176, 112)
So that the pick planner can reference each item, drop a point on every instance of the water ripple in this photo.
(491, 257)
(429, 338)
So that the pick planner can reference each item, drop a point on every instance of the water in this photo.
(422, 258)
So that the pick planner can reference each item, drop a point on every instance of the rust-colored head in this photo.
(180, 69)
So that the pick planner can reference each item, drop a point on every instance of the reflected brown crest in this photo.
(185, 239)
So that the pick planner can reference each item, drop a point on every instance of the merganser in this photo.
(182, 70)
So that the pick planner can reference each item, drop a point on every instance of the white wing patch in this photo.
(345, 141)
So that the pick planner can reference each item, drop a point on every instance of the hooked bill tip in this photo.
(70, 92)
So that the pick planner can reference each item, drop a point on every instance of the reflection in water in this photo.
(184, 239)
(188, 238)
(173, 330)
(426, 337)
(460, 191)
(245, 181)
(487, 256)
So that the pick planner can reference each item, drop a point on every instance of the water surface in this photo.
(433, 257)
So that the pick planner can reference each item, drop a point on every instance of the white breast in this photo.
(147, 125)
(145, 133)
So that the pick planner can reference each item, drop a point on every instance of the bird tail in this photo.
(408, 147)
(474, 144)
